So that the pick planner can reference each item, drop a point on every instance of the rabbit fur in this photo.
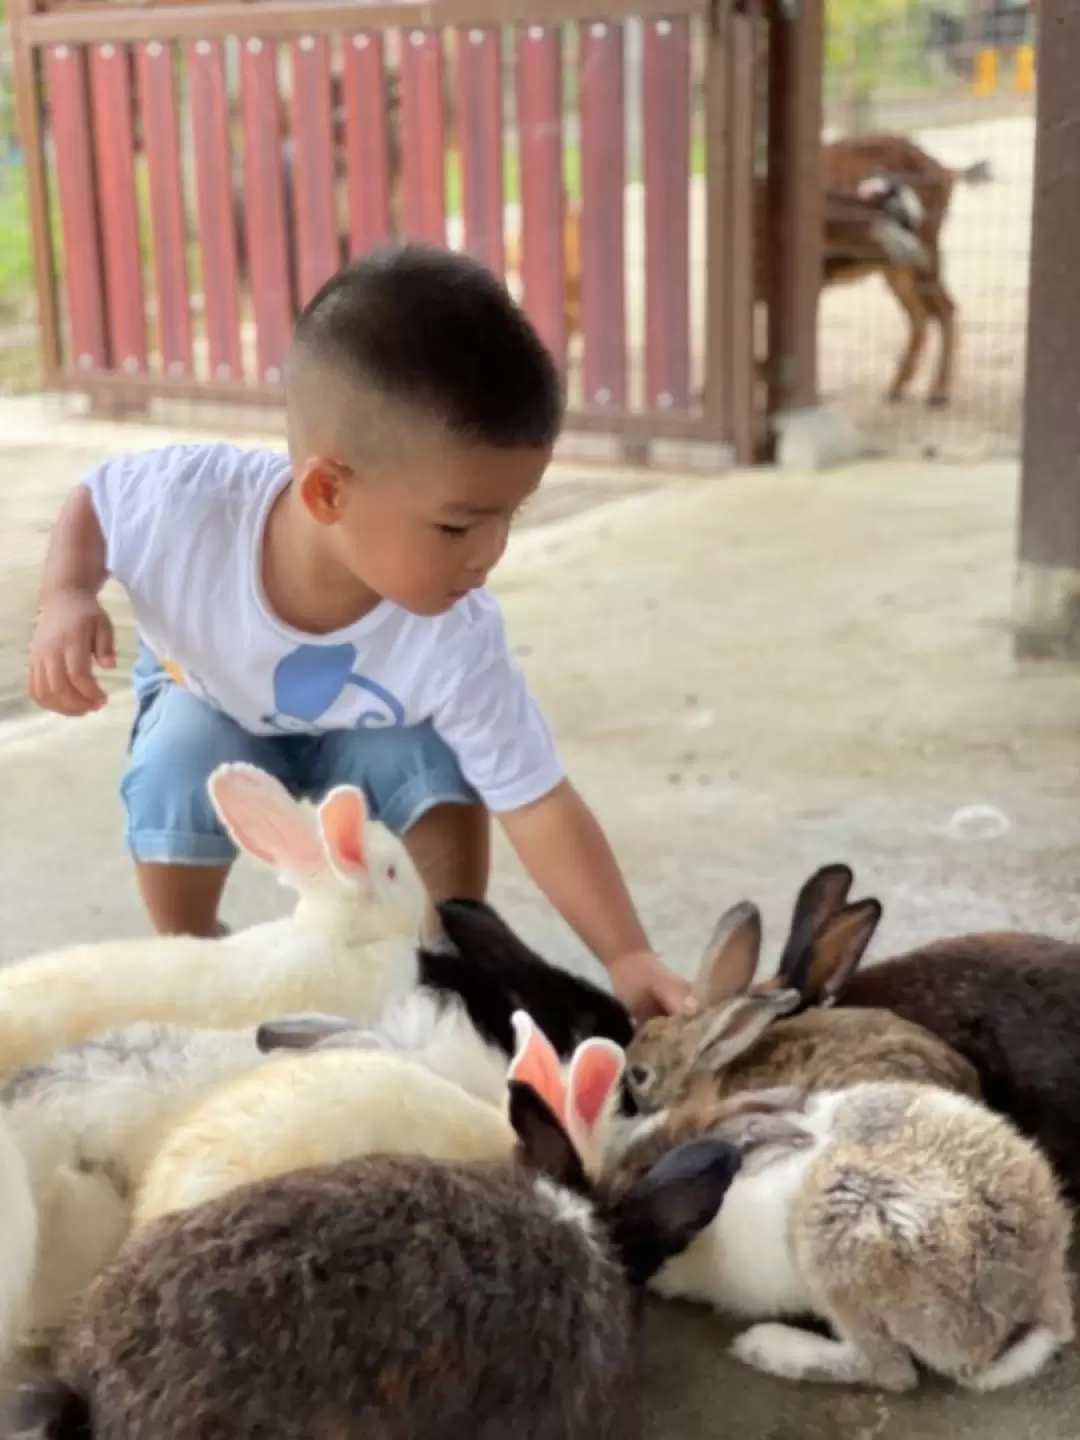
(85, 1124)
(392, 1296)
(458, 1019)
(1008, 1002)
(712, 1051)
(348, 946)
(315, 1108)
(348, 1095)
(922, 1227)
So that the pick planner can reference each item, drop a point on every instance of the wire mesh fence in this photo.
(957, 77)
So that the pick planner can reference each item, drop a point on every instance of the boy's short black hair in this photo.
(440, 334)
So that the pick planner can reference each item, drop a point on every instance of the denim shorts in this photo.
(178, 740)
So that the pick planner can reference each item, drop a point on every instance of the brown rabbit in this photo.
(392, 1296)
(1009, 1003)
(717, 1051)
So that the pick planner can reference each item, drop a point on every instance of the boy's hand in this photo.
(646, 986)
(73, 631)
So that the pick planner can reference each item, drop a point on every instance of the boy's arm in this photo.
(561, 844)
(73, 629)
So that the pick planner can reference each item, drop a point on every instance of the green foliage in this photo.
(862, 37)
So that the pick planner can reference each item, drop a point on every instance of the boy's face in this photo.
(425, 533)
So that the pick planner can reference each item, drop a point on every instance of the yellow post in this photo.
(1024, 70)
(987, 64)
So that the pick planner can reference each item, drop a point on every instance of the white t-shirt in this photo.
(183, 531)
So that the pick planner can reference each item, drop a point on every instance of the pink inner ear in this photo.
(264, 820)
(535, 1063)
(342, 820)
(594, 1073)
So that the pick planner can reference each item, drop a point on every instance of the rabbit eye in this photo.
(642, 1076)
(391, 872)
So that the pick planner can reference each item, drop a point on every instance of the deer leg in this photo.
(942, 307)
(905, 288)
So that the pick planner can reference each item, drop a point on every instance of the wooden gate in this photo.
(197, 169)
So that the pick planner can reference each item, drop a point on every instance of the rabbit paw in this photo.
(794, 1354)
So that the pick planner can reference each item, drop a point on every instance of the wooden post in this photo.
(1048, 592)
(793, 227)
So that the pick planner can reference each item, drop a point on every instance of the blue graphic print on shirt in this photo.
(309, 680)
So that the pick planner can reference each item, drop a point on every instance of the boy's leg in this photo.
(413, 784)
(181, 851)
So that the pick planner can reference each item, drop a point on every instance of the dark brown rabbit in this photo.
(393, 1297)
(1008, 1002)
(736, 1043)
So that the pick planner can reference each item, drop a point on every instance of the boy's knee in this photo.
(404, 772)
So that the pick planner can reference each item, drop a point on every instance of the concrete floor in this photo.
(749, 675)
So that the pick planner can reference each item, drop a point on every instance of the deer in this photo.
(869, 165)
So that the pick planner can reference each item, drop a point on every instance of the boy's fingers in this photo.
(105, 643)
(81, 679)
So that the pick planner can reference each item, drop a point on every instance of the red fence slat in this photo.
(423, 137)
(168, 228)
(540, 141)
(603, 191)
(315, 206)
(113, 107)
(69, 107)
(480, 125)
(265, 225)
(367, 141)
(213, 188)
(666, 132)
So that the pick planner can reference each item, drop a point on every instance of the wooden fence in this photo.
(197, 169)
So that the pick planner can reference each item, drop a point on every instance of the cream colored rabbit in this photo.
(332, 1103)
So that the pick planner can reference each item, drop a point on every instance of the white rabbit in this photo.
(920, 1225)
(348, 946)
(84, 1125)
(330, 1104)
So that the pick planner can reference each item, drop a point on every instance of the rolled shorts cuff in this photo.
(171, 847)
(413, 800)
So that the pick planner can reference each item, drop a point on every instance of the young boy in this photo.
(324, 615)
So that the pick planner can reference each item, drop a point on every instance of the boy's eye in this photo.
(456, 530)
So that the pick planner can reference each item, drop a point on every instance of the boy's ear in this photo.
(321, 485)
(660, 1214)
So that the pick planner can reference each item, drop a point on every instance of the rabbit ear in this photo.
(736, 1026)
(536, 1064)
(301, 1031)
(837, 949)
(660, 1214)
(265, 821)
(595, 1072)
(545, 1145)
(821, 897)
(342, 825)
(730, 958)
